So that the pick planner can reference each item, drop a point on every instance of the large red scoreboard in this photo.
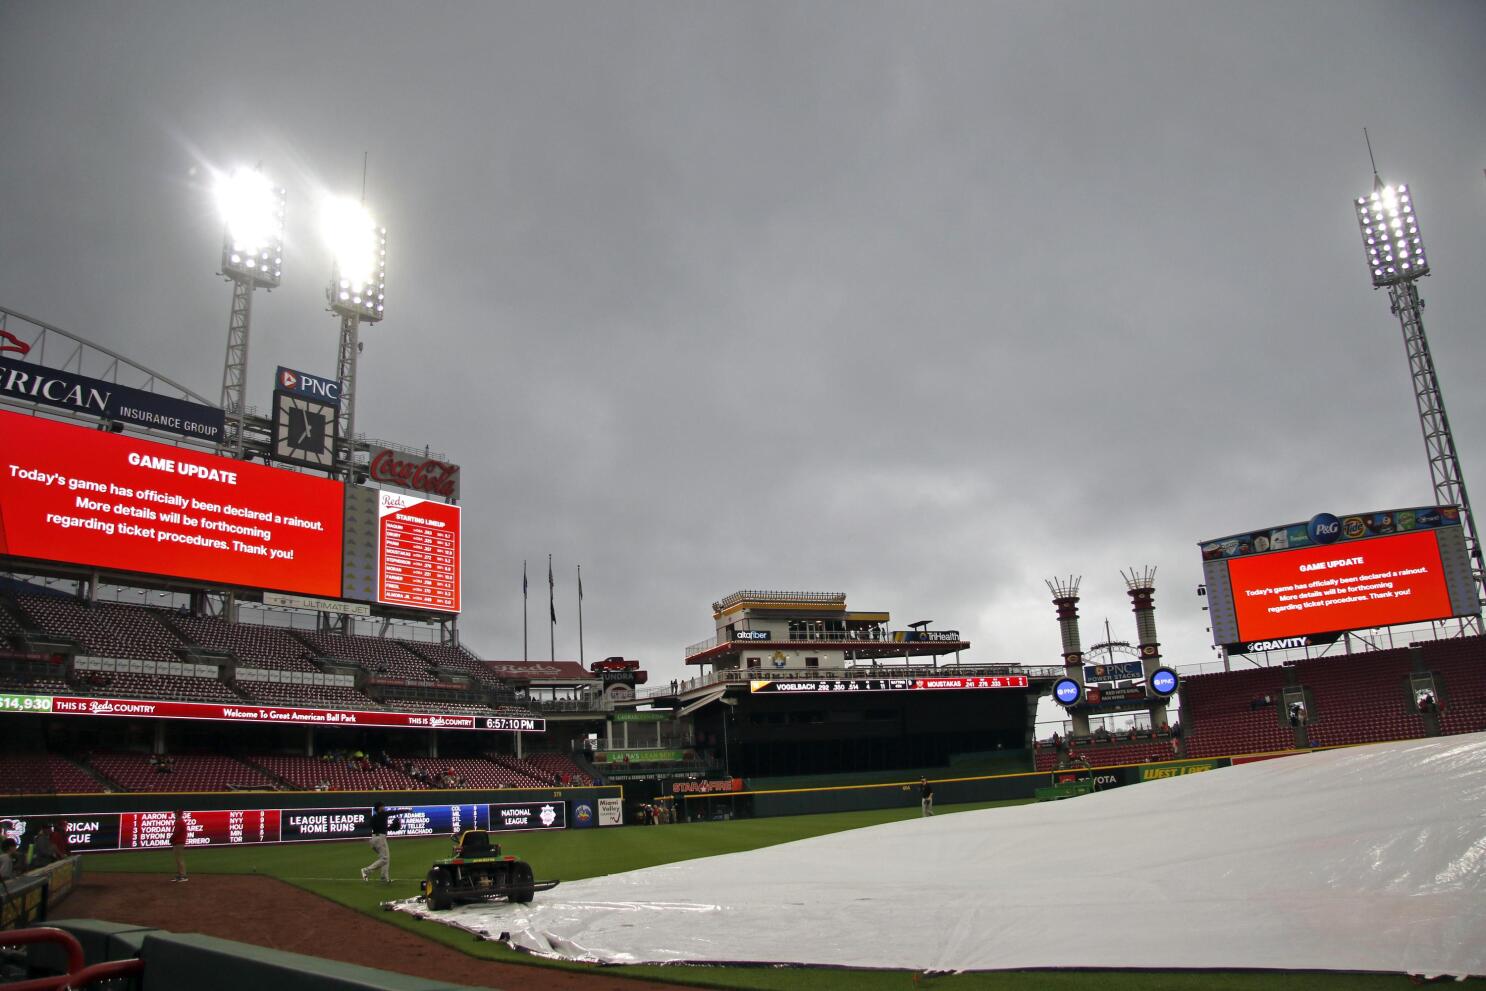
(120, 503)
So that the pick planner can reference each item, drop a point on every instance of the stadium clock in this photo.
(303, 431)
(1163, 682)
(1067, 691)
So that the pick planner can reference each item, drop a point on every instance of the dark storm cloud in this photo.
(924, 304)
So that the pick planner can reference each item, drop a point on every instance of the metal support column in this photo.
(1439, 443)
(345, 371)
(235, 369)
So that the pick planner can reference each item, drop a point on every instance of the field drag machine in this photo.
(477, 872)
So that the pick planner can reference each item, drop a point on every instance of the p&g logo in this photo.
(1323, 528)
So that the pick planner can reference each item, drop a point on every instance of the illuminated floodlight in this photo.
(252, 211)
(1390, 235)
(358, 276)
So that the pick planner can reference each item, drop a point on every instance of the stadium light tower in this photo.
(358, 284)
(1396, 260)
(252, 211)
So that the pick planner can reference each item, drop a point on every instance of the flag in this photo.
(551, 591)
(580, 583)
(523, 580)
(14, 343)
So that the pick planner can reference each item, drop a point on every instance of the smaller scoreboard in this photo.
(837, 685)
(100, 831)
(418, 553)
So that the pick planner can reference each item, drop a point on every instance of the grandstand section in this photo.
(185, 773)
(309, 773)
(1224, 713)
(1459, 671)
(1103, 753)
(250, 644)
(379, 657)
(102, 629)
(44, 773)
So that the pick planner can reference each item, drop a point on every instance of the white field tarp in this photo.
(1370, 858)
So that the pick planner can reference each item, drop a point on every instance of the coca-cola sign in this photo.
(409, 471)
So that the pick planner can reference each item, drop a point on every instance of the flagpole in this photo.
(525, 651)
(580, 614)
(551, 613)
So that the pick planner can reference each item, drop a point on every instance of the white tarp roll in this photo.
(1369, 858)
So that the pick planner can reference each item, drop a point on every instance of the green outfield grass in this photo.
(330, 870)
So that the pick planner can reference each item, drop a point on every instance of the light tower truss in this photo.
(1396, 261)
(1434, 422)
(235, 367)
(37, 342)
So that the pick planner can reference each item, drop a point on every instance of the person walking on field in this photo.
(178, 844)
(926, 796)
(380, 820)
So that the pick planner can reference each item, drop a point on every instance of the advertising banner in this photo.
(418, 553)
(630, 716)
(1118, 671)
(409, 471)
(523, 816)
(926, 636)
(103, 500)
(585, 816)
(1097, 695)
(109, 401)
(611, 812)
(297, 383)
(323, 605)
(952, 683)
(102, 831)
(638, 756)
(1173, 770)
(249, 712)
(1325, 529)
(706, 787)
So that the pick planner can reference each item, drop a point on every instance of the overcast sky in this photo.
(924, 303)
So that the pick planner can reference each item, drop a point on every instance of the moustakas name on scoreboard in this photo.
(801, 686)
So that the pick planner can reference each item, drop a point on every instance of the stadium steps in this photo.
(105, 783)
(255, 765)
(585, 765)
(24, 633)
(194, 651)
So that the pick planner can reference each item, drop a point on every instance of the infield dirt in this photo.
(268, 912)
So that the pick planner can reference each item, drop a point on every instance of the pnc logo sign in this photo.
(1324, 528)
(301, 384)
